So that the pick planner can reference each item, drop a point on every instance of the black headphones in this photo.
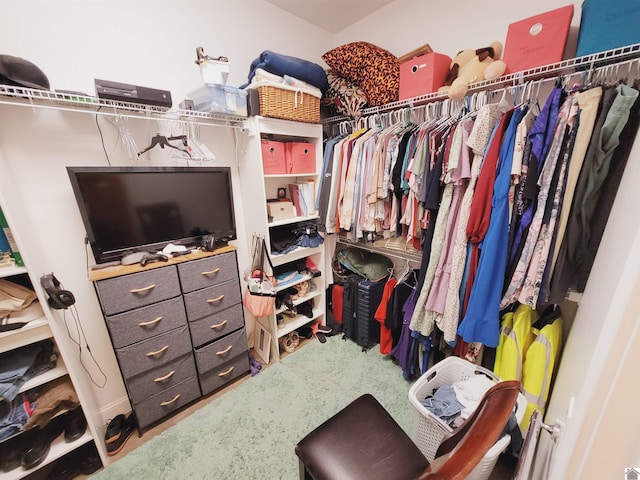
(59, 298)
(208, 243)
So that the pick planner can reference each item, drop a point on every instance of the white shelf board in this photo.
(300, 300)
(60, 370)
(297, 254)
(11, 270)
(32, 332)
(288, 221)
(297, 322)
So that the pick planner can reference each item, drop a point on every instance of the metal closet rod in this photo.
(415, 257)
(545, 72)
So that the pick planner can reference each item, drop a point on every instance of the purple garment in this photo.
(401, 351)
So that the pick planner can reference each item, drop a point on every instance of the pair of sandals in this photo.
(290, 341)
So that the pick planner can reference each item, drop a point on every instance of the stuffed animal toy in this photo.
(471, 66)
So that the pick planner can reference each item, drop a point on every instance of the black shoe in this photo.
(75, 425)
(324, 329)
(42, 438)
(127, 426)
(306, 309)
(114, 429)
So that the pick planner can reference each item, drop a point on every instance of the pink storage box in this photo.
(274, 160)
(423, 74)
(537, 40)
(301, 157)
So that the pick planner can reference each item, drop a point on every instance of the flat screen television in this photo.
(131, 209)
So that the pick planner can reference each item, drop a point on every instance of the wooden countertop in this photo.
(116, 271)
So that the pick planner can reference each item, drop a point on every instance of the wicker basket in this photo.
(288, 104)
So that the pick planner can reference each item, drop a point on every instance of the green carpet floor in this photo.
(250, 432)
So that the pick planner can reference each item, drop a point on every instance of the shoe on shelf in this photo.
(295, 338)
(118, 432)
(74, 425)
(280, 320)
(303, 289)
(41, 439)
(286, 343)
(306, 309)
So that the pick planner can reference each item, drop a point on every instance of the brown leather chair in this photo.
(363, 441)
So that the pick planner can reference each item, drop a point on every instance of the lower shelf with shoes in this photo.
(27, 453)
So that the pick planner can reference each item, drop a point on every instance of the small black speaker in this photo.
(59, 298)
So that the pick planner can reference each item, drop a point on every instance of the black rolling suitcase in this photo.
(369, 298)
(350, 305)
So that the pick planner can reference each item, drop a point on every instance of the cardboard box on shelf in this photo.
(280, 210)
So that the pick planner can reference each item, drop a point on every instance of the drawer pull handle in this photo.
(219, 325)
(211, 272)
(226, 350)
(158, 352)
(162, 379)
(224, 374)
(150, 322)
(143, 289)
(217, 299)
(164, 404)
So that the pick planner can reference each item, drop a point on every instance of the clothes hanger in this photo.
(164, 142)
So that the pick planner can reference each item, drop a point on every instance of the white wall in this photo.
(448, 26)
(145, 42)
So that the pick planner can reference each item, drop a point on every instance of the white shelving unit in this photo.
(34, 331)
(257, 187)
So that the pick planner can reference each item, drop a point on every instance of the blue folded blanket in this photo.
(279, 64)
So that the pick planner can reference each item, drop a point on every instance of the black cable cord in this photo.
(74, 314)
(102, 137)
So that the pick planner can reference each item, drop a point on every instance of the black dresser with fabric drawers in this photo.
(177, 329)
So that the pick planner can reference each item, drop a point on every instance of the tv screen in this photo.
(129, 209)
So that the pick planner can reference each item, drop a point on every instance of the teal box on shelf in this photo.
(220, 99)
(607, 25)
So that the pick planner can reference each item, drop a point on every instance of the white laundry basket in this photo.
(430, 430)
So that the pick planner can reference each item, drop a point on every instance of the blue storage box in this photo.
(608, 24)
(220, 99)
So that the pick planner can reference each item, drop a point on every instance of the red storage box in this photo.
(274, 160)
(301, 157)
(537, 40)
(423, 74)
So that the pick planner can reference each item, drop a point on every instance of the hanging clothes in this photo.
(481, 320)
(593, 174)
(515, 338)
(540, 363)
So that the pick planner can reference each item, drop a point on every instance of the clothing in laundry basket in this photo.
(444, 404)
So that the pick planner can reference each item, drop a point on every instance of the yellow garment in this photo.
(515, 339)
(539, 366)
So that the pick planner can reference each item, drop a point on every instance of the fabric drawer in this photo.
(137, 290)
(156, 351)
(161, 378)
(215, 354)
(207, 271)
(212, 300)
(214, 379)
(158, 406)
(215, 326)
(137, 325)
